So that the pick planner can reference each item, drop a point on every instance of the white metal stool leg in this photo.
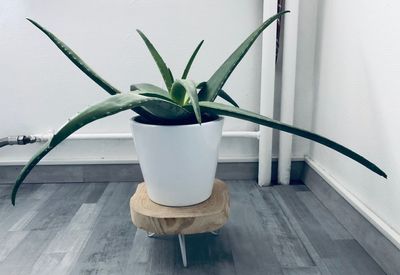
(181, 238)
(150, 234)
(215, 233)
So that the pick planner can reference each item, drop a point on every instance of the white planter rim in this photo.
(143, 124)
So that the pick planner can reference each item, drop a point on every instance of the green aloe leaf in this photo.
(165, 72)
(218, 79)
(158, 115)
(147, 87)
(168, 111)
(77, 60)
(221, 93)
(157, 95)
(151, 90)
(183, 88)
(147, 115)
(164, 112)
(224, 95)
(190, 62)
(108, 107)
(222, 109)
(171, 76)
(178, 93)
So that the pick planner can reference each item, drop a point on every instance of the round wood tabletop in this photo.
(207, 216)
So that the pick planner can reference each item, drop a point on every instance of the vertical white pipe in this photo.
(288, 88)
(267, 93)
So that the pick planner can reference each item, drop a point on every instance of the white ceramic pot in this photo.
(178, 162)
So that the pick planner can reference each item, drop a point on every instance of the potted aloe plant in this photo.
(178, 129)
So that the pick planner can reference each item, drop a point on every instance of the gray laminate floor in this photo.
(86, 229)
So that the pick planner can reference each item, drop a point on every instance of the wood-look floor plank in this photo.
(314, 231)
(81, 223)
(301, 271)
(320, 263)
(46, 263)
(140, 256)
(59, 209)
(353, 260)
(35, 201)
(206, 254)
(285, 242)
(248, 239)
(219, 256)
(69, 241)
(9, 241)
(26, 198)
(21, 259)
(66, 246)
(381, 249)
(12, 223)
(331, 252)
(5, 193)
(119, 204)
(337, 266)
(69, 259)
(111, 240)
(162, 255)
(97, 191)
(330, 224)
(108, 247)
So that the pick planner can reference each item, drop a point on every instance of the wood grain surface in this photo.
(207, 216)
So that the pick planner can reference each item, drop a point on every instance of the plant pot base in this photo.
(189, 205)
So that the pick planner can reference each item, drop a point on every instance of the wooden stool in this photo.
(208, 216)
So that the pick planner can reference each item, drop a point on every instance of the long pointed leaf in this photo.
(151, 90)
(158, 115)
(167, 112)
(191, 91)
(165, 72)
(222, 109)
(224, 95)
(154, 94)
(147, 87)
(147, 115)
(113, 105)
(190, 62)
(218, 79)
(221, 93)
(77, 60)
(171, 76)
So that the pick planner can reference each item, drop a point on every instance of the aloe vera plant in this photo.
(182, 102)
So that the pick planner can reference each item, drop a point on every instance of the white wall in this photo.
(41, 88)
(357, 100)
